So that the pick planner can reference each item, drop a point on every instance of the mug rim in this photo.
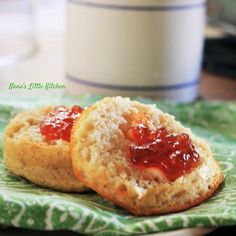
(141, 5)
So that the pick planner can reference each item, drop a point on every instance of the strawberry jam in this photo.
(58, 124)
(173, 154)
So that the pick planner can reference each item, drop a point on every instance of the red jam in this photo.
(58, 124)
(173, 154)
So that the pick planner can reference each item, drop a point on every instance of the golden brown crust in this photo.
(26, 154)
(99, 160)
(166, 210)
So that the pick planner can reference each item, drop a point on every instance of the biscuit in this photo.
(99, 158)
(27, 154)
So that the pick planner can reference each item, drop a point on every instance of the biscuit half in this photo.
(99, 158)
(26, 153)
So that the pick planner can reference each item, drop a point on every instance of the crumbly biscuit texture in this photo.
(27, 154)
(99, 158)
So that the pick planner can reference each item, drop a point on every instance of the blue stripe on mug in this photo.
(139, 8)
(133, 88)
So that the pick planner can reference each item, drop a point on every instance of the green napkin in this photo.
(25, 205)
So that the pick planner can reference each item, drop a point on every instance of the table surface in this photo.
(214, 87)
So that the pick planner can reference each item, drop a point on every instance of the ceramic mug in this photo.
(135, 47)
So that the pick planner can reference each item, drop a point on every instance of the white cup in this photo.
(135, 47)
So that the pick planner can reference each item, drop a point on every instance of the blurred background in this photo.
(32, 46)
(40, 47)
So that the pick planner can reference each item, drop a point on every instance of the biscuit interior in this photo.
(99, 152)
(27, 154)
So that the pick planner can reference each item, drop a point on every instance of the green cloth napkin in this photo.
(25, 205)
